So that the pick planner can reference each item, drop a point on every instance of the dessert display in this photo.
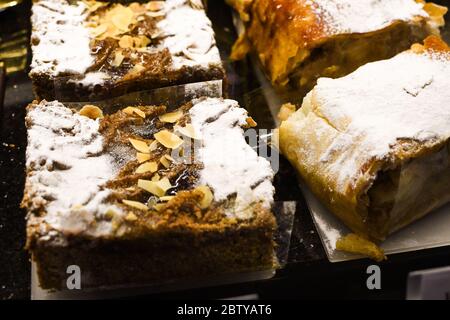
(145, 194)
(298, 41)
(90, 50)
(373, 146)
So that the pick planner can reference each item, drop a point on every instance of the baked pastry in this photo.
(298, 41)
(89, 50)
(374, 146)
(144, 195)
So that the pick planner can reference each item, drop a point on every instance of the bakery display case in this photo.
(215, 149)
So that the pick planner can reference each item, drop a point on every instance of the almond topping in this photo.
(153, 145)
(92, 112)
(122, 18)
(126, 41)
(188, 131)
(131, 216)
(139, 145)
(166, 198)
(142, 157)
(135, 204)
(97, 31)
(155, 177)
(141, 41)
(147, 167)
(168, 139)
(207, 198)
(131, 110)
(166, 160)
(118, 59)
(171, 117)
(158, 188)
(155, 5)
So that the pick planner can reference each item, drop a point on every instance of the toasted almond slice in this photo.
(165, 162)
(135, 204)
(131, 110)
(91, 111)
(126, 41)
(141, 41)
(118, 59)
(153, 145)
(99, 30)
(166, 198)
(207, 198)
(188, 131)
(159, 206)
(131, 216)
(155, 177)
(147, 167)
(139, 145)
(155, 5)
(123, 18)
(171, 117)
(168, 139)
(142, 157)
(152, 187)
(164, 183)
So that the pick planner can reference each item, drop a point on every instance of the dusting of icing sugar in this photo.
(189, 36)
(230, 165)
(68, 168)
(406, 97)
(91, 79)
(60, 42)
(361, 16)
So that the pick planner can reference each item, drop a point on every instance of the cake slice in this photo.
(90, 50)
(374, 146)
(298, 41)
(145, 195)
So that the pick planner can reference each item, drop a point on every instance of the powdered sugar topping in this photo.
(231, 166)
(60, 41)
(65, 153)
(404, 98)
(361, 16)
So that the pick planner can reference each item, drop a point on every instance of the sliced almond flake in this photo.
(155, 5)
(142, 157)
(207, 198)
(155, 14)
(168, 139)
(157, 188)
(97, 31)
(139, 145)
(147, 167)
(141, 41)
(188, 131)
(118, 59)
(91, 111)
(135, 204)
(126, 41)
(165, 162)
(166, 198)
(155, 177)
(137, 7)
(171, 117)
(159, 206)
(131, 110)
(153, 146)
(131, 216)
(164, 183)
(123, 18)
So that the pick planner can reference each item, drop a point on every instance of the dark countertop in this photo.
(308, 273)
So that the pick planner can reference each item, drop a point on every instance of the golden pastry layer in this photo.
(298, 41)
(374, 146)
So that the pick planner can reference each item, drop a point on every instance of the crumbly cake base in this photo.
(164, 256)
